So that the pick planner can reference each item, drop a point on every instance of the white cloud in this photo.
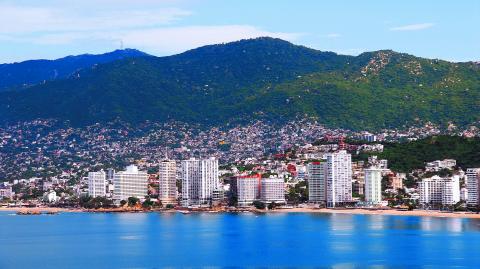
(163, 40)
(17, 20)
(413, 27)
(150, 27)
(178, 39)
(333, 35)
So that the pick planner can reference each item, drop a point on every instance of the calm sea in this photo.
(84, 240)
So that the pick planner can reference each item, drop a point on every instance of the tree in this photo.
(123, 203)
(272, 205)
(133, 201)
(298, 194)
(259, 204)
(148, 204)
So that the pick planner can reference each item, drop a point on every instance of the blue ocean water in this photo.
(153, 240)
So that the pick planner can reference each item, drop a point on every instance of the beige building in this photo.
(167, 182)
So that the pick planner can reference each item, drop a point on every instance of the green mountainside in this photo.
(260, 78)
(408, 156)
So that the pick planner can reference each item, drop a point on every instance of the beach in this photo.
(392, 212)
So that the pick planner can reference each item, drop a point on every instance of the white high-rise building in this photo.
(439, 191)
(272, 189)
(130, 183)
(199, 180)
(248, 189)
(167, 182)
(316, 182)
(473, 186)
(338, 178)
(373, 185)
(97, 184)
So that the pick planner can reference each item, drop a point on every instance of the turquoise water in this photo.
(85, 240)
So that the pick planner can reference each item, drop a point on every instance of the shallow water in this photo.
(89, 240)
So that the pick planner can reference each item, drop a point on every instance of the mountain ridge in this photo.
(30, 72)
(257, 79)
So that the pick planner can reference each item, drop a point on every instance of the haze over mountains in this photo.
(28, 73)
(237, 82)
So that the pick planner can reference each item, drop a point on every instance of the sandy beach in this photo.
(420, 213)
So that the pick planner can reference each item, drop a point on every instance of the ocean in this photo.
(158, 240)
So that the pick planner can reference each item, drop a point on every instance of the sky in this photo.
(49, 29)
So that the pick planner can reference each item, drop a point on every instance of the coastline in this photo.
(386, 212)
(356, 211)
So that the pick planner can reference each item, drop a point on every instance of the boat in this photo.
(184, 211)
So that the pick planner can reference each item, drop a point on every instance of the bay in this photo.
(157, 240)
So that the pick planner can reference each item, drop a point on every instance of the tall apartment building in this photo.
(316, 182)
(473, 186)
(439, 191)
(331, 182)
(130, 183)
(338, 178)
(199, 180)
(167, 182)
(97, 184)
(272, 189)
(373, 185)
(248, 189)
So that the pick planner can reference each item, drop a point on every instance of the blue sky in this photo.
(51, 29)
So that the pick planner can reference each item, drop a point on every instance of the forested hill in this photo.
(260, 78)
(28, 73)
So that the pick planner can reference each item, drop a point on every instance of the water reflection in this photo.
(241, 240)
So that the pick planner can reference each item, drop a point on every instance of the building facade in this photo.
(167, 182)
(6, 192)
(437, 191)
(130, 183)
(473, 186)
(248, 189)
(338, 178)
(97, 184)
(316, 182)
(373, 185)
(272, 189)
(199, 180)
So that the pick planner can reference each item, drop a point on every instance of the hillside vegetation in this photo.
(405, 157)
(260, 78)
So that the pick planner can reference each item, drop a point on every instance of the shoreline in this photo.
(356, 211)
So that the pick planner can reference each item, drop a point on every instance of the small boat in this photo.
(184, 211)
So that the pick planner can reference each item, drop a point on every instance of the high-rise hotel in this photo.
(167, 182)
(436, 191)
(199, 180)
(97, 184)
(330, 182)
(316, 182)
(130, 183)
(473, 186)
(373, 185)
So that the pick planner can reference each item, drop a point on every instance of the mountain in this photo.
(411, 155)
(261, 78)
(32, 72)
